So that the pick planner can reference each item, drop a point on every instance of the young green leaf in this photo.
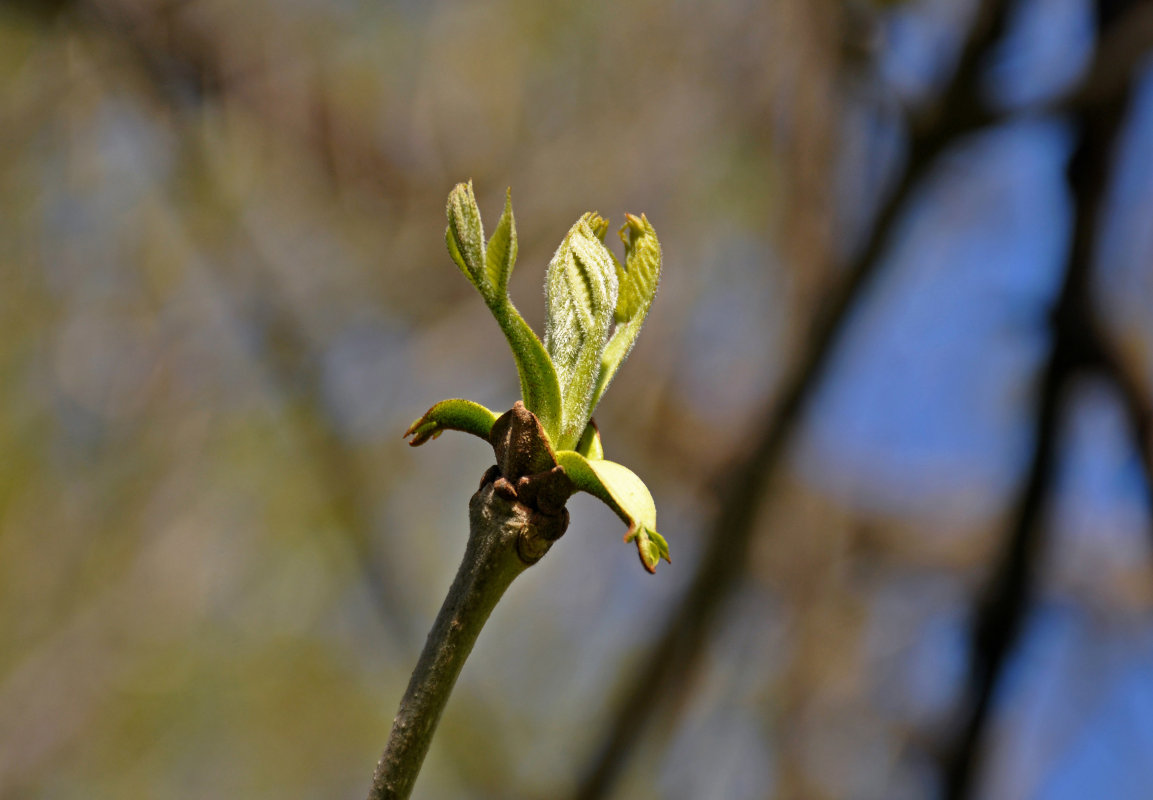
(638, 286)
(500, 256)
(465, 239)
(488, 269)
(538, 380)
(619, 488)
(581, 294)
(451, 415)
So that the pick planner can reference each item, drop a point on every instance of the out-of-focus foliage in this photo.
(223, 298)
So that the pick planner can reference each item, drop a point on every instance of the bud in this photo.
(465, 238)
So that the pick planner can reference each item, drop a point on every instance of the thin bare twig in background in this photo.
(1077, 347)
(1138, 408)
(958, 112)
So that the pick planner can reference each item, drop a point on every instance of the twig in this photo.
(678, 648)
(1077, 346)
(1002, 611)
(1123, 43)
(494, 556)
(1121, 46)
(1139, 410)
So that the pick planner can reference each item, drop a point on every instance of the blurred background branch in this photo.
(741, 486)
(1078, 345)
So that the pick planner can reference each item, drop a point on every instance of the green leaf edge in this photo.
(590, 445)
(501, 252)
(451, 415)
(596, 476)
(625, 334)
(539, 386)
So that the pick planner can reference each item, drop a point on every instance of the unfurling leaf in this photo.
(638, 281)
(642, 271)
(626, 495)
(581, 293)
(451, 415)
(465, 239)
(488, 269)
(599, 226)
(500, 256)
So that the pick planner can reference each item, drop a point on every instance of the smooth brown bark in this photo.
(505, 538)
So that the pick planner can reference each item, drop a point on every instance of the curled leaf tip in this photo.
(637, 281)
(422, 431)
(451, 415)
(633, 225)
(649, 562)
(651, 546)
(598, 224)
(418, 439)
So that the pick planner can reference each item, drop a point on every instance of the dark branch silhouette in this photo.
(677, 650)
(1138, 409)
(1077, 347)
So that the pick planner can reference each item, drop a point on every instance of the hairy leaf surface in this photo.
(500, 256)
(488, 269)
(451, 415)
(465, 238)
(581, 293)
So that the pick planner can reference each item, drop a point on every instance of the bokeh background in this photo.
(893, 399)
